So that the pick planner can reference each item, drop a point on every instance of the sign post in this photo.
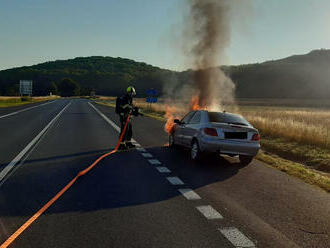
(152, 96)
(25, 87)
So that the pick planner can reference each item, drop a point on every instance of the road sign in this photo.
(152, 92)
(152, 96)
(151, 99)
(25, 87)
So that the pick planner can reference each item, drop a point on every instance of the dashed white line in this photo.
(237, 238)
(154, 161)
(189, 194)
(111, 122)
(175, 180)
(163, 169)
(22, 110)
(209, 212)
(11, 165)
(147, 155)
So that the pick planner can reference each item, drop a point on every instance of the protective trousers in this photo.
(129, 132)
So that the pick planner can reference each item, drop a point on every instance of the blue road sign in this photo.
(151, 99)
(152, 92)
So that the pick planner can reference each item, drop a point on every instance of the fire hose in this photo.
(32, 219)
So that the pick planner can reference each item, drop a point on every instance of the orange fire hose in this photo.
(22, 228)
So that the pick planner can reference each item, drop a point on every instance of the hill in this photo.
(106, 75)
(297, 76)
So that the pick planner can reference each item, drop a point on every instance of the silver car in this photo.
(220, 132)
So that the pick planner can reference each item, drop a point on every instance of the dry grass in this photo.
(309, 126)
(299, 134)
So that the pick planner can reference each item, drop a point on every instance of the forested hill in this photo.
(106, 75)
(298, 76)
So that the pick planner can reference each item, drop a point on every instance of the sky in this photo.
(36, 31)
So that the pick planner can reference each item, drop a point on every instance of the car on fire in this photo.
(216, 132)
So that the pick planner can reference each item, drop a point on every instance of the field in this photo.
(295, 134)
(11, 101)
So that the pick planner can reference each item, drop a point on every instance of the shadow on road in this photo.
(121, 180)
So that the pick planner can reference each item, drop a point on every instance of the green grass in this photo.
(6, 102)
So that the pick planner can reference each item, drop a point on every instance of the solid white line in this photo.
(154, 161)
(175, 180)
(209, 212)
(22, 110)
(110, 122)
(147, 155)
(163, 169)
(11, 165)
(189, 194)
(140, 149)
(237, 238)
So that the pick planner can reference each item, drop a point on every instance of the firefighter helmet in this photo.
(131, 90)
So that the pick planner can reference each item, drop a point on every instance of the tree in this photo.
(53, 88)
(68, 87)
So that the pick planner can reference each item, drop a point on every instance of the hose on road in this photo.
(22, 228)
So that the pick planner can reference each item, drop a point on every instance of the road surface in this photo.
(147, 197)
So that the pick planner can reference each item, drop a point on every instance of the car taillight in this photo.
(256, 137)
(210, 131)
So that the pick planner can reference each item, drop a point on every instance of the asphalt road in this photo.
(127, 200)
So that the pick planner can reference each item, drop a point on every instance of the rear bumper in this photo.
(229, 146)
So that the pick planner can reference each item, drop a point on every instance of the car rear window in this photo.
(227, 118)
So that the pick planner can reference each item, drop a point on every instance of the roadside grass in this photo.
(288, 143)
(298, 170)
(18, 101)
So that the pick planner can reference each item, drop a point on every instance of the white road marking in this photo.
(110, 121)
(11, 165)
(154, 161)
(237, 238)
(175, 180)
(209, 212)
(22, 110)
(163, 169)
(147, 155)
(189, 194)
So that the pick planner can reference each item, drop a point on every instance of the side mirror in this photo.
(177, 121)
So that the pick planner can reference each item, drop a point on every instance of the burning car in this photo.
(220, 132)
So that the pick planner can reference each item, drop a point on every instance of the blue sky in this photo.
(35, 31)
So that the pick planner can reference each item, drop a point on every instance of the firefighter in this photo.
(124, 107)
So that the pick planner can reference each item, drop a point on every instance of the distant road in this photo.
(151, 197)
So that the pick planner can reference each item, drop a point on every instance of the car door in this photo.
(180, 131)
(191, 128)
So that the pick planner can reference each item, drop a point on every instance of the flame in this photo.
(172, 113)
(169, 115)
(194, 103)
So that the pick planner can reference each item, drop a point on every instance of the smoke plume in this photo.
(206, 35)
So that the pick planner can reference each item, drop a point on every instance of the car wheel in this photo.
(171, 142)
(245, 160)
(195, 152)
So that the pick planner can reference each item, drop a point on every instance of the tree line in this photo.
(298, 76)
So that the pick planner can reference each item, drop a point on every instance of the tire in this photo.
(245, 160)
(195, 152)
(171, 142)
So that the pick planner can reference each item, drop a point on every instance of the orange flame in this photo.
(172, 113)
(169, 115)
(194, 103)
